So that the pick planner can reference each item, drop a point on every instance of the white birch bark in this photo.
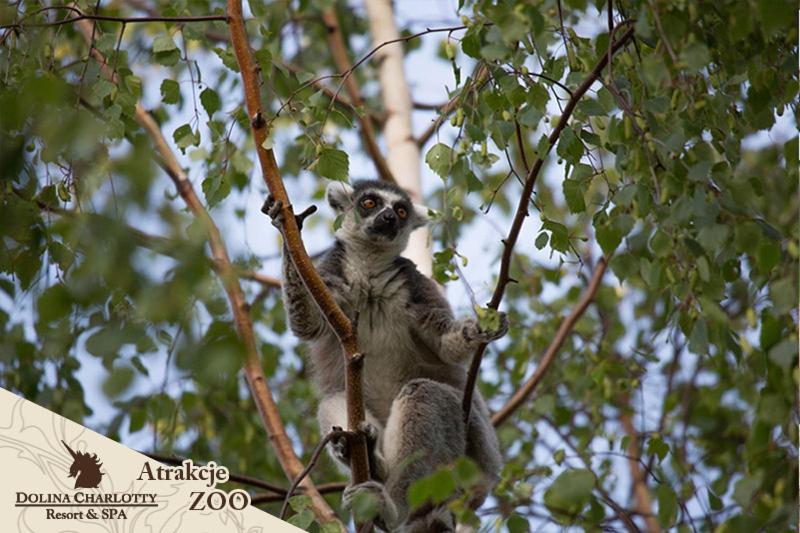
(403, 153)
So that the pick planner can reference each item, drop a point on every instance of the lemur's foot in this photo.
(473, 333)
(370, 432)
(274, 209)
(340, 444)
(340, 447)
(385, 510)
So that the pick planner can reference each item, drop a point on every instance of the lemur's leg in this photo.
(423, 432)
(304, 317)
(483, 448)
(332, 414)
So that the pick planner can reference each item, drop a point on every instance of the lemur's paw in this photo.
(385, 510)
(340, 448)
(370, 432)
(274, 210)
(473, 333)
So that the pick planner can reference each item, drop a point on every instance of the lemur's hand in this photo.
(274, 209)
(473, 333)
(340, 445)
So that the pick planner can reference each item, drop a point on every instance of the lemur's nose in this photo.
(388, 215)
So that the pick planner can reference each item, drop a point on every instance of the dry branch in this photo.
(337, 320)
(522, 210)
(342, 61)
(259, 387)
(564, 330)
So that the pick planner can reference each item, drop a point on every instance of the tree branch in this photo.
(552, 350)
(259, 387)
(80, 15)
(522, 212)
(342, 61)
(333, 314)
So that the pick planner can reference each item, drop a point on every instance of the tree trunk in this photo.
(403, 153)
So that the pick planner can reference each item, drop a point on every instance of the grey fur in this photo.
(415, 353)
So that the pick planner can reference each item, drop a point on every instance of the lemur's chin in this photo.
(382, 234)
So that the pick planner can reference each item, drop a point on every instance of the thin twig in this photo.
(309, 466)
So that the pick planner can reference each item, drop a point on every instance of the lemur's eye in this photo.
(401, 212)
(368, 203)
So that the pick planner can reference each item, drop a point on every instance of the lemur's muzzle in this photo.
(386, 223)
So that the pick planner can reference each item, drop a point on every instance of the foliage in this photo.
(679, 166)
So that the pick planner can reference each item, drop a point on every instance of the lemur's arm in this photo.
(454, 340)
(305, 320)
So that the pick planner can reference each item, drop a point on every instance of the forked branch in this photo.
(522, 209)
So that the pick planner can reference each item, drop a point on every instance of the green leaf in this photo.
(333, 164)
(768, 255)
(118, 381)
(667, 506)
(696, 56)
(185, 137)
(658, 447)
(541, 240)
(54, 303)
(216, 187)
(303, 519)
(570, 492)
(569, 146)
(163, 43)
(439, 159)
(517, 524)
(698, 339)
(170, 92)
(624, 265)
(104, 342)
(573, 193)
(608, 237)
(103, 88)
(210, 101)
(559, 236)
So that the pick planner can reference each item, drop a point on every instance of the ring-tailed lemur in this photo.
(414, 353)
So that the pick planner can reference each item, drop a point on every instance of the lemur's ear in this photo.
(338, 194)
(420, 217)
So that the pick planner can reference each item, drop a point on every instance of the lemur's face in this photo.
(375, 212)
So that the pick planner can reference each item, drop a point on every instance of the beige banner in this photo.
(58, 476)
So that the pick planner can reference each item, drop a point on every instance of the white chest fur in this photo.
(377, 292)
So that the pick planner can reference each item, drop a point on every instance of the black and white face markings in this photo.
(384, 213)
